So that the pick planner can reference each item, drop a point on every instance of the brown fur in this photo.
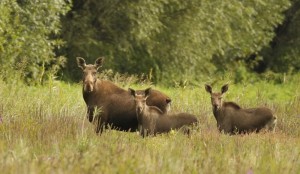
(152, 120)
(231, 104)
(117, 109)
(231, 118)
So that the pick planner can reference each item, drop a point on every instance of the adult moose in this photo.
(152, 120)
(232, 119)
(117, 109)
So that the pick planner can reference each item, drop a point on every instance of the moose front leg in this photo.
(225, 128)
(90, 113)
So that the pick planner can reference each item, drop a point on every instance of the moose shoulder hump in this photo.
(232, 105)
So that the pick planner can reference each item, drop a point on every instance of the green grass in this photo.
(44, 130)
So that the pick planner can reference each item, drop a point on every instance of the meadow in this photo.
(44, 130)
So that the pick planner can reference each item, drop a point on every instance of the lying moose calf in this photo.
(151, 120)
(231, 118)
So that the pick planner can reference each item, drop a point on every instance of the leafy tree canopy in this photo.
(168, 40)
(174, 39)
(28, 38)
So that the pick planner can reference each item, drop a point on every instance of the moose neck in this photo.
(145, 114)
(218, 113)
(149, 114)
(87, 95)
(142, 117)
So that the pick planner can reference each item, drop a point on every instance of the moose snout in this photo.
(216, 105)
(139, 109)
(88, 86)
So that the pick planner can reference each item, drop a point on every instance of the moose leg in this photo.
(227, 129)
(90, 113)
(145, 132)
(141, 130)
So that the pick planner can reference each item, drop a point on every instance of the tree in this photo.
(195, 38)
(29, 31)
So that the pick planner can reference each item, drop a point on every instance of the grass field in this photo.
(44, 130)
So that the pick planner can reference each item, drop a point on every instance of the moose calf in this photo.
(151, 120)
(232, 119)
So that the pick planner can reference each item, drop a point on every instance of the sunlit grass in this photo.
(44, 130)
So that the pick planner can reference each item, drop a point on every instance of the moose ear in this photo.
(224, 88)
(208, 88)
(80, 62)
(132, 92)
(147, 92)
(99, 62)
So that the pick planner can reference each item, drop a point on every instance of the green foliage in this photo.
(29, 33)
(164, 37)
(172, 41)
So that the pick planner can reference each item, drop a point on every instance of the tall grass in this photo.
(44, 130)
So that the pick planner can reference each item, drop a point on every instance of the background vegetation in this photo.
(29, 32)
(156, 38)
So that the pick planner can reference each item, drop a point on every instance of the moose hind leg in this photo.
(270, 126)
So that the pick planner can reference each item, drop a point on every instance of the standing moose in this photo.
(117, 109)
(231, 118)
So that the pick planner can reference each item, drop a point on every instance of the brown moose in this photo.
(117, 109)
(151, 120)
(232, 119)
